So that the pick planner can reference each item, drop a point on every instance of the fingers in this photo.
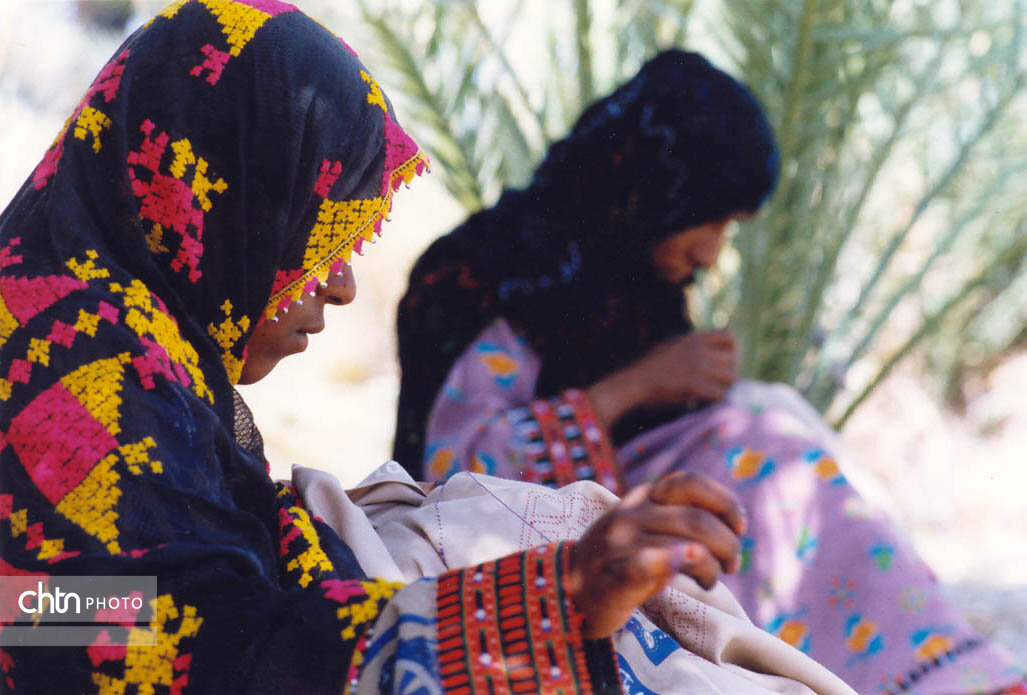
(682, 523)
(691, 489)
(723, 339)
(695, 560)
(663, 557)
(717, 362)
(692, 524)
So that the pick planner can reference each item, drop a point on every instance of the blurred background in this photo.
(886, 280)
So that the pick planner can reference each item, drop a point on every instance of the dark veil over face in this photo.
(224, 162)
(219, 166)
(228, 158)
(566, 260)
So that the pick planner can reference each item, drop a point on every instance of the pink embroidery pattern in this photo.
(58, 441)
(61, 334)
(169, 202)
(26, 297)
(49, 549)
(87, 119)
(239, 22)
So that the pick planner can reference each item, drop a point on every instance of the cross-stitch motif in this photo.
(342, 227)
(167, 352)
(239, 22)
(300, 548)
(49, 549)
(130, 281)
(143, 668)
(227, 334)
(87, 118)
(172, 203)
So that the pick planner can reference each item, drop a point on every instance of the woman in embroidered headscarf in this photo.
(183, 233)
(546, 340)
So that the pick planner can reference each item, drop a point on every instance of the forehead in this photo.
(694, 235)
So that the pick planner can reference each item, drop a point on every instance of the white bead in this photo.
(540, 582)
(554, 672)
(299, 301)
(313, 294)
(547, 624)
(324, 285)
(477, 577)
(485, 659)
(274, 319)
(480, 614)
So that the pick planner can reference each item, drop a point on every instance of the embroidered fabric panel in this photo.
(565, 442)
(935, 655)
(509, 626)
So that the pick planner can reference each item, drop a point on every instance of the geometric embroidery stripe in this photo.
(504, 628)
(904, 683)
(556, 446)
(601, 453)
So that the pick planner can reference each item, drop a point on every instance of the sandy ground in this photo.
(958, 492)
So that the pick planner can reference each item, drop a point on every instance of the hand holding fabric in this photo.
(681, 523)
(698, 366)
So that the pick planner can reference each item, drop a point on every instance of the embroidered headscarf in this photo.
(566, 260)
(228, 158)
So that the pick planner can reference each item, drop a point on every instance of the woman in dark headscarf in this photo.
(184, 232)
(546, 339)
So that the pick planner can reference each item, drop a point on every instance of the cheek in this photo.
(268, 339)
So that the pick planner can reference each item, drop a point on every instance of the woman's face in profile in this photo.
(273, 340)
(677, 257)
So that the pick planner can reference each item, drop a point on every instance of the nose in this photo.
(340, 288)
(706, 253)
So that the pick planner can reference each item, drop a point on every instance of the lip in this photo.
(300, 342)
(312, 328)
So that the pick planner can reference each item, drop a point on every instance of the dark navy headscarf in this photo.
(227, 158)
(566, 260)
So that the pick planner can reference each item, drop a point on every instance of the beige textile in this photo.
(399, 532)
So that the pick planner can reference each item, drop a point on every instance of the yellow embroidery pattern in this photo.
(226, 334)
(19, 520)
(39, 351)
(335, 222)
(150, 666)
(170, 11)
(375, 95)
(238, 22)
(155, 239)
(97, 386)
(87, 323)
(313, 559)
(91, 503)
(87, 270)
(355, 615)
(8, 324)
(201, 185)
(167, 205)
(149, 321)
(137, 455)
(338, 227)
(93, 122)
